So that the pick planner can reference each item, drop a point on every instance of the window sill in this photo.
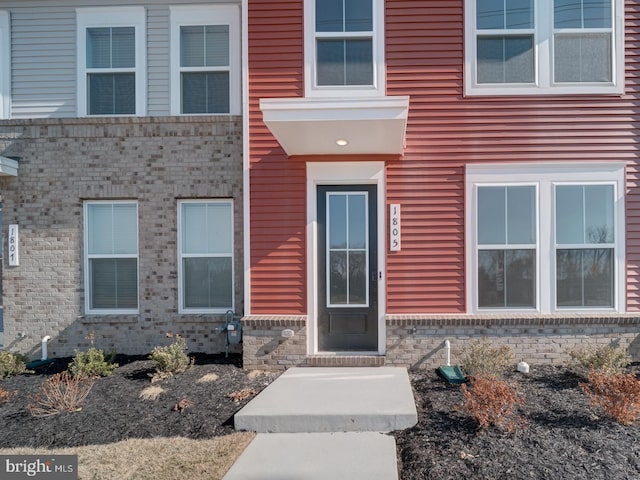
(515, 90)
(94, 318)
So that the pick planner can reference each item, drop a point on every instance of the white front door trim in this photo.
(342, 173)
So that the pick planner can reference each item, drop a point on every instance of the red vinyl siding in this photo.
(278, 212)
(424, 58)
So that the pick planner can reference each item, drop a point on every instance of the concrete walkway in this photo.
(325, 423)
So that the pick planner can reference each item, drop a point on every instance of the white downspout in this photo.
(44, 347)
(447, 346)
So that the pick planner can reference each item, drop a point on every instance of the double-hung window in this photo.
(205, 60)
(344, 47)
(205, 246)
(544, 47)
(5, 63)
(545, 238)
(111, 256)
(111, 61)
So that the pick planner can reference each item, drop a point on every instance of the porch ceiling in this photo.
(8, 167)
(337, 126)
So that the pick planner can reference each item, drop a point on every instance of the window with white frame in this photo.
(111, 60)
(205, 59)
(205, 248)
(5, 64)
(344, 47)
(111, 256)
(544, 46)
(545, 238)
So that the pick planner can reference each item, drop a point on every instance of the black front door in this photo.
(347, 268)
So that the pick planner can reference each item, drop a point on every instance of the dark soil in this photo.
(113, 410)
(563, 439)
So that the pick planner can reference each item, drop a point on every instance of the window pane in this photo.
(506, 278)
(521, 214)
(491, 14)
(359, 62)
(194, 230)
(582, 14)
(192, 46)
(505, 59)
(585, 278)
(358, 15)
(569, 214)
(100, 229)
(337, 221)
(329, 16)
(206, 92)
(219, 225)
(598, 201)
(491, 216)
(99, 47)
(582, 58)
(357, 221)
(338, 273)
(345, 62)
(123, 47)
(208, 282)
(111, 93)
(114, 283)
(217, 45)
(357, 278)
(125, 229)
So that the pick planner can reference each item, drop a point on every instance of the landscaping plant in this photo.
(170, 359)
(618, 395)
(5, 395)
(493, 402)
(606, 359)
(12, 364)
(484, 360)
(62, 392)
(92, 363)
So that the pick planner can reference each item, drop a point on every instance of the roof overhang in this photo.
(8, 167)
(332, 126)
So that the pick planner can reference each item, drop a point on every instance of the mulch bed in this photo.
(114, 411)
(563, 439)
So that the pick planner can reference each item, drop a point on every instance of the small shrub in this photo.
(12, 364)
(491, 401)
(618, 395)
(606, 359)
(92, 363)
(170, 359)
(483, 360)
(151, 393)
(62, 392)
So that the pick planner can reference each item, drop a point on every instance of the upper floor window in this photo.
(5, 64)
(111, 256)
(111, 61)
(344, 47)
(546, 238)
(543, 46)
(205, 60)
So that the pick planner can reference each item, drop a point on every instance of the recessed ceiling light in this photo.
(341, 142)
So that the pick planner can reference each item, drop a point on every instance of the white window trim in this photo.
(546, 176)
(5, 65)
(112, 17)
(181, 308)
(207, 15)
(379, 84)
(87, 279)
(543, 58)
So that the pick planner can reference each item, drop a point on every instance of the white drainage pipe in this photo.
(447, 346)
(44, 347)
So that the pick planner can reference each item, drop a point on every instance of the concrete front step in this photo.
(325, 399)
(317, 456)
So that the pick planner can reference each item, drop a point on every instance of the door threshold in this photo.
(344, 359)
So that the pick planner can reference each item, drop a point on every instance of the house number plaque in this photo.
(394, 227)
(14, 253)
